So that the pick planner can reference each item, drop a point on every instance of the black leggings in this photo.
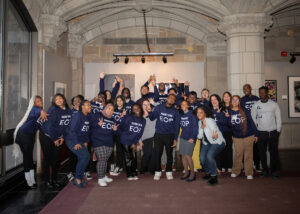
(130, 160)
(148, 159)
(51, 154)
(26, 143)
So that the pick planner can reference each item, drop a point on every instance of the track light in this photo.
(164, 59)
(293, 59)
(143, 59)
(116, 60)
(126, 60)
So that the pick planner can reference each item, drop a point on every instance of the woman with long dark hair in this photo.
(224, 159)
(24, 136)
(213, 143)
(132, 128)
(77, 140)
(52, 136)
(244, 135)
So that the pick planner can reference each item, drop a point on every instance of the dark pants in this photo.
(161, 140)
(256, 156)
(26, 143)
(51, 154)
(72, 161)
(83, 158)
(265, 140)
(119, 159)
(207, 157)
(224, 159)
(130, 160)
(148, 160)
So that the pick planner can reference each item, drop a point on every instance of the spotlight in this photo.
(116, 60)
(126, 60)
(293, 59)
(164, 59)
(143, 59)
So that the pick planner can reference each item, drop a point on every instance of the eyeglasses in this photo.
(235, 100)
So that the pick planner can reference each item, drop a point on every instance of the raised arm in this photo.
(101, 82)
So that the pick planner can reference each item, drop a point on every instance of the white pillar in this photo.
(245, 50)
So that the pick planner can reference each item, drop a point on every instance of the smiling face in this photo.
(205, 94)
(192, 98)
(86, 107)
(144, 90)
(108, 95)
(126, 93)
(146, 106)
(184, 106)
(214, 102)
(200, 114)
(226, 99)
(101, 98)
(161, 87)
(171, 99)
(109, 111)
(38, 102)
(120, 102)
(136, 110)
(59, 101)
(247, 89)
(235, 102)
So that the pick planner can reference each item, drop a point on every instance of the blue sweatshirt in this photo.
(96, 107)
(168, 121)
(223, 122)
(128, 106)
(132, 129)
(102, 135)
(57, 122)
(147, 96)
(189, 126)
(237, 125)
(159, 98)
(247, 102)
(79, 130)
(32, 123)
(117, 117)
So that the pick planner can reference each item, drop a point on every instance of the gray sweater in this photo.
(266, 116)
(149, 129)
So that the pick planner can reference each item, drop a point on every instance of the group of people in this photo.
(155, 123)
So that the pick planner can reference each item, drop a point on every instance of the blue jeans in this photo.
(207, 157)
(83, 158)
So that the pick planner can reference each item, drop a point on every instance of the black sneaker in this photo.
(264, 174)
(206, 177)
(56, 184)
(275, 175)
(213, 180)
(49, 185)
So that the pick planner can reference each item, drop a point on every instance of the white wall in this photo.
(192, 72)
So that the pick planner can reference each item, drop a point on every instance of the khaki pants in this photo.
(243, 147)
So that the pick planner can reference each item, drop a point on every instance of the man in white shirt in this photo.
(266, 115)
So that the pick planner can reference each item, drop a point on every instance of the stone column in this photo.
(245, 50)
(75, 44)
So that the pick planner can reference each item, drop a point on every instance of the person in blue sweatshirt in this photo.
(116, 164)
(127, 96)
(192, 98)
(159, 93)
(132, 128)
(110, 95)
(77, 140)
(72, 157)
(244, 134)
(145, 94)
(222, 118)
(103, 127)
(212, 143)
(247, 102)
(166, 133)
(52, 136)
(24, 136)
(188, 137)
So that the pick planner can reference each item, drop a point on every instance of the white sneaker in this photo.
(88, 176)
(112, 167)
(116, 172)
(233, 175)
(102, 182)
(229, 170)
(135, 178)
(223, 170)
(169, 175)
(130, 178)
(107, 179)
(70, 176)
(157, 176)
(249, 177)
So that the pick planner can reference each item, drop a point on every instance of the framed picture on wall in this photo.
(294, 96)
(272, 86)
(60, 87)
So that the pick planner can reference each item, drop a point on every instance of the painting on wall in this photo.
(294, 96)
(128, 82)
(60, 87)
(272, 86)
